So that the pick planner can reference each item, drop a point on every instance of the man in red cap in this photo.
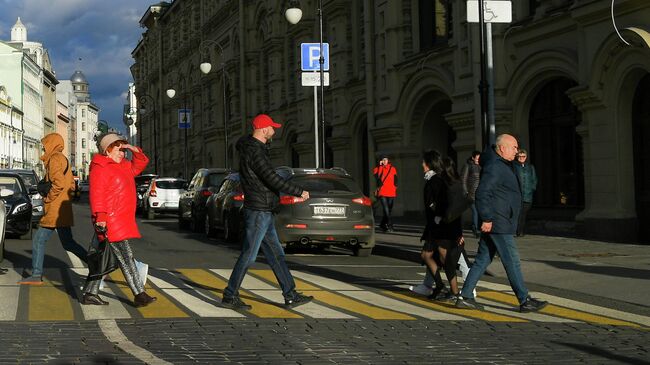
(262, 187)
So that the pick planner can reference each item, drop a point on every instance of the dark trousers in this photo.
(522, 218)
(387, 208)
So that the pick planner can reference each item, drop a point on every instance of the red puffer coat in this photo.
(113, 195)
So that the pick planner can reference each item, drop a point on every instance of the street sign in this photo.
(184, 118)
(310, 54)
(494, 11)
(313, 78)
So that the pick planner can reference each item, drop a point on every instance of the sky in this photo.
(93, 36)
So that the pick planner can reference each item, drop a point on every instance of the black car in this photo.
(141, 185)
(224, 209)
(30, 178)
(191, 205)
(18, 205)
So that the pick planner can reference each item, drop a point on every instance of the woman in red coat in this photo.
(112, 206)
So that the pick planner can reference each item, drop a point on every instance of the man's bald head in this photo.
(507, 147)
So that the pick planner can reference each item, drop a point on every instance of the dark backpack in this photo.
(457, 202)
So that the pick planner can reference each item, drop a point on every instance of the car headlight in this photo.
(21, 208)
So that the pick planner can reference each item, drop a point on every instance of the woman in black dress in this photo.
(440, 236)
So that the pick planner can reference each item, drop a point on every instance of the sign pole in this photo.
(316, 152)
(490, 84)
(483, 83)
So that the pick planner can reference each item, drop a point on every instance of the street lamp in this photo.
(170, 94)
(293, 14)
(205, 68)
(144, 100)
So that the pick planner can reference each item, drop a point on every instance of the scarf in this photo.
(429, 174)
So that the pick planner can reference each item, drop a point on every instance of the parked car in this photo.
(223, 209)
(30, 178)
(141, 185)
(84, 187)
(162, 196)
(18, 205)
(3, 221)
(337, 212)
(191, 206)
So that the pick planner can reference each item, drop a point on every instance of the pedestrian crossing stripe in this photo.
(198, 292)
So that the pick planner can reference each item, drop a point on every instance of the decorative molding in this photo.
(584, 98)
(387, 134)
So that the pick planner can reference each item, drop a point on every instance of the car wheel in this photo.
(182, 223)
(229, 233)
(196, 223)
(28, 235)
(362, 252)
(209, 231)
(151, 214)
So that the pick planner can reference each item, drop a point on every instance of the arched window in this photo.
(556, 148)
(436, 25)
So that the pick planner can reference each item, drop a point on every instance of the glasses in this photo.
(522, 156)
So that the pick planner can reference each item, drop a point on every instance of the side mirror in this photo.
(6, 192)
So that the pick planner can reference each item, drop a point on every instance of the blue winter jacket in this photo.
(498, 197)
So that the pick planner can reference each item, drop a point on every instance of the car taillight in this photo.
(238, 197)
(206, 193)
(363, 201)
(362, 226)
(288, 200)
(299, 226)
(153, 190)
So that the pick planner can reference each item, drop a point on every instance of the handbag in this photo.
(457, 202)
(101, 259)
(45, 185)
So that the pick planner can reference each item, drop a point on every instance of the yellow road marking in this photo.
(206, 280)
(558, 311)
(161, 308)
(337, 300)
(449, 308)
(49, 303)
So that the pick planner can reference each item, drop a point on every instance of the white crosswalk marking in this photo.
(511, 311)
(9, 295)
(313, 310)
(114, 310)
(249, 282)
(189, 298)
(324, 282)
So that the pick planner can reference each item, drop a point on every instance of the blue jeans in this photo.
(42, 235)
(260, 232)
(488, 246)
(387, 208)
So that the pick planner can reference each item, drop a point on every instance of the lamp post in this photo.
(205, 67)
(170, 94)
(293, 14)
(145, 99)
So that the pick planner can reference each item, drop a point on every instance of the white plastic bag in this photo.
(143, 270)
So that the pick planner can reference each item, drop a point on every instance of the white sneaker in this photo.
(475, 295)
(421, 289)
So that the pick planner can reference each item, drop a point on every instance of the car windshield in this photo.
(166, 184)
(29, 179)
(214, 180)
(326, 183)
(142, 180)
(11, 183)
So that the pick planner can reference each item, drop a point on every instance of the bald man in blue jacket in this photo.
(498, 201)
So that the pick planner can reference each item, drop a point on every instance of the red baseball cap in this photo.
(263, 121)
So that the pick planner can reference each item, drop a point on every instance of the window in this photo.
(435, 22)
(83, 113)
(83, 126)
(83, 143)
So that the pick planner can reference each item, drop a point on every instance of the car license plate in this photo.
(329, 211)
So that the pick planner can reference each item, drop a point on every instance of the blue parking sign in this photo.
(184, 118)
(310, 54)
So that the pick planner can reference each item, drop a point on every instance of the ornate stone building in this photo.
(404, 78)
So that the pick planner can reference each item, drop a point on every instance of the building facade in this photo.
(87, 117)
(68, 101)
(404, 77)
(130, 116)
(11, 134)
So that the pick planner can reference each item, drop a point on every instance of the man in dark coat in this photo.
(262, 186)
(498, 200)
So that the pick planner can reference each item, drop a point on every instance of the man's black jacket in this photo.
(260, 183)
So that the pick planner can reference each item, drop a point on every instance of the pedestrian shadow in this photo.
(618, 271)
(597, 351)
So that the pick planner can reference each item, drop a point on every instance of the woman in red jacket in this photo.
(112, 206)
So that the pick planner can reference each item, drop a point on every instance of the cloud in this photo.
(101, 33)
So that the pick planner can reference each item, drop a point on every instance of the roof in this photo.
(78, 77)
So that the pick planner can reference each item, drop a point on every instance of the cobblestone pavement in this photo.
(296, 341)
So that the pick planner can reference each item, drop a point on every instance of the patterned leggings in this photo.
(124, 255)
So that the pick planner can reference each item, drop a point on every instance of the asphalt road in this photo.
(362, 312)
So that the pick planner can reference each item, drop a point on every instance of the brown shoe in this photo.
(92, 299)
(143, 299)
